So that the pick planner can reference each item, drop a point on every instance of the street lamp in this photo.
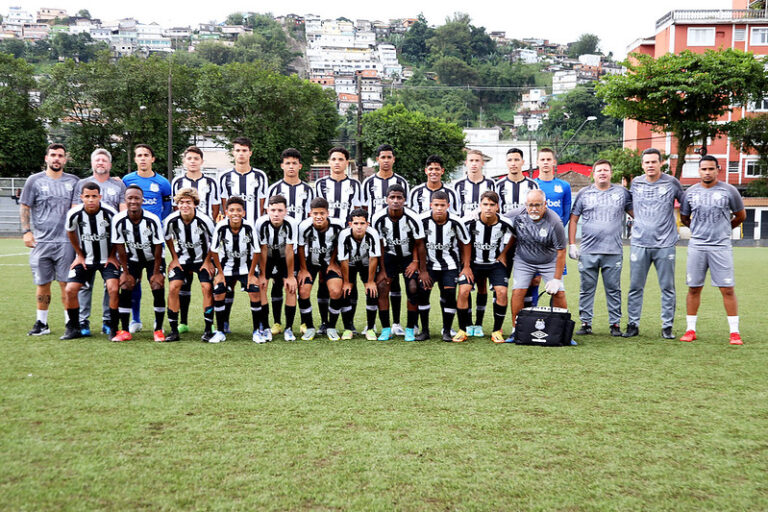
(588, 119)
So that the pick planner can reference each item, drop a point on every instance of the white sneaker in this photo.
(266, 334)
(218, 337)
(135, 327)
(257, 337)
(288, 335)
(333, 334)
(398, 330)
(478, 331)
(309, 334)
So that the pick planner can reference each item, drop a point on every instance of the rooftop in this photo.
(710, 16)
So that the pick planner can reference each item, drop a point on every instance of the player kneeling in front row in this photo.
(317, 256)
(235, 256)
(89, 227)
(138, 236)
(444, 233)
(359, 250)
(491, 237)
(278, 234)
(191, 232)
(712, 209)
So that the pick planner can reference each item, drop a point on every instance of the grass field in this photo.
(612, 424)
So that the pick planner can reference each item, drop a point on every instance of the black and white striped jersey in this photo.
(468, 194)
(140, 237)
(277, 237)
(206, 187)
(319, 245)
(251, 187)
(192, 241)
(421, 196)
(375, 191)
(94, 231)
(342, 195)
(235, 250)
(398, 236)
(512, 193)
(359, 252)
(442, 241)
(297, 196)
(488, 240)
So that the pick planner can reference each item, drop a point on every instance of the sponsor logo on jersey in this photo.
(152, 200)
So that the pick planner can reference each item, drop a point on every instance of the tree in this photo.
(22, 136)
(80, 47)
(15, 47)
(414, 136)
(117, 104)
(459, 38)
(414, 45)
(273, 110)
(626, 163)
(83, 13)
(685, 93)
(454, 71)
(586, 44)
(751, 134)
(236, 18)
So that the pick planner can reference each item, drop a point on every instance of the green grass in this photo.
(611, 424)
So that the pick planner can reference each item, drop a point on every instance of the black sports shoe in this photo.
(666, 333)
(206, 337)
(39, 329)
(585, 329)
(323, 329)
(174, 336)
(632, 330)
(616, 330)
(447, 336)
(71, 333)
(422, 336)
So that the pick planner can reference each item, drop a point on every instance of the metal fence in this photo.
(9, 186)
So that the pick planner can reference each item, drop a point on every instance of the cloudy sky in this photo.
(617, 23)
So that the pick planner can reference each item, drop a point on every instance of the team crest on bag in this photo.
(539, 334)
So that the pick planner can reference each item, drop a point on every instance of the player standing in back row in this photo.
(244, 181)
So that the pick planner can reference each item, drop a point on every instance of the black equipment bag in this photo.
(546, 326)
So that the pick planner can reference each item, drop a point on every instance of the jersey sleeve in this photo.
(357, 200)
(685, 206)
(223, 191)
(418, 232)
(734, 199)
(167, 233)
(117, 234)
(566, 203)
(263, 186)
(577, 204)
(558, 236)
(454, 200)
(293, 237)
(28, 193)
(174, 189)
(78, 191)
(71, 222)
(461, 232)
(341, 250)
(627, 200)
(218, 234)
(165, 189)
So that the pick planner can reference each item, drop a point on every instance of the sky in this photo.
(615, 22)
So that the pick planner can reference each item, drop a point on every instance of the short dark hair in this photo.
(236, 200)
(359, 212)
(318, 202)
(53, 146)
(339, 149)
(385, 147)
(91, 185)
(548, 150)
(516, 150)
(601, 162)
(277, 200)
(395, 188)
(194, 149)
(144, 146)
(134, 187)
(434, 159)
(290, 153)
(490, 194)
(440, 195)
(242, 141)
(651, 151)
(709, 158)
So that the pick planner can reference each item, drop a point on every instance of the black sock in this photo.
(229, 299)
(218, 307)
(265, 315)
(173, 320)
(114, 315)
(395, 299)
(124, 309)
(384, 318)
(290, 314)
(464, 318)
(323, 301)
(411, 318)
(277, 306)
(449, 311)
(424, 317)
(371, 307)
(333, 312)
(208, 318)
(499, 312)
(347, 314)
(73, 319)
(482, 302)
(305, 312)
(158, 301)
(255, 314)
(185, 297)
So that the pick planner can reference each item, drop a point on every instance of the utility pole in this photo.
(359, 139)
(170, 120)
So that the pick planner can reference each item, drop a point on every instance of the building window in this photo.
(701, 36)
(752, 169)
(733, 167)
(758, 106)
(740, 35)
(759, 36)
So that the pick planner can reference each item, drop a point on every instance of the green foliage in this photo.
(454, 71)
(22, 136)
(414, 136)
(684, 93)
(413, 48)
(626, 163)
(83, 13)
(459, 38)
(117, 104)
(80, 47)
(586, 44)
(751, 134)
(275, 111)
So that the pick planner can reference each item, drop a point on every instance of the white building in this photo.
(533, 99)
(590, 60)
(495, 150)
(564, 81)
(387, 54)
(527, 56)
(150, 38)
(18, 16)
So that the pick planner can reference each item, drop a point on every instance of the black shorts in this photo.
(496, 274)
(187, 271)
(135, 268)
(360, 271)
(322, 272)
(444, 278)
(395, 266)
(84, 273)
(231, 281)
(278, 270)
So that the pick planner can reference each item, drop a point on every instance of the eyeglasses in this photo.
(534, 205)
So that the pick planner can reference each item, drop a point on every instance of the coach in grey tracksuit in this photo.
(602, 207)
(654, 235)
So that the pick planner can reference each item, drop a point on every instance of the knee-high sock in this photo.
(395, 299)
(124, 308)
(323, 300)
(464, 318)
(113, 318)
(290, 314)
(333, 313)
(255, 314)
(423, 309)
(136, 302)
(158, 302)
(173, 320)
(482, 301)
(185, 297)
(350, 324)
(347, 313)
(221, 314)
(499, 312)
(305, 312)
(449, 311)
(384, 318)
(371, 307)
(229, 299)
(277, 303)
(208, 318)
